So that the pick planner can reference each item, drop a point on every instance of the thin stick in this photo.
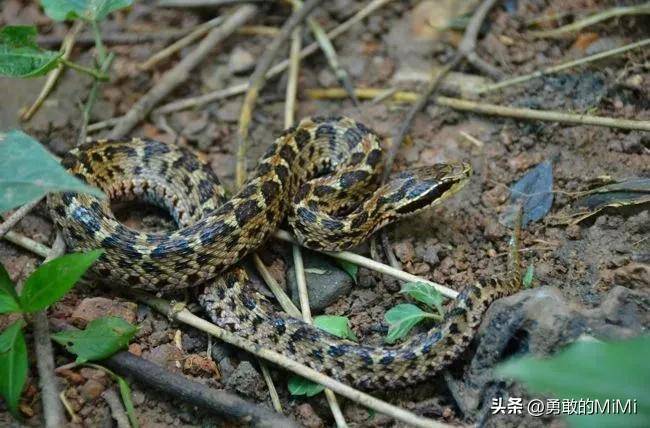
(27, 243)
(117, 410)
(92, 98)
(257, 80)
(493, 109)
(90, 71)
(201, 3)
(367, 400)
(53, 76)
(275, 398)
(280, 295)
(563, 66)
(179, 387)
(196, 34)
(642, 9)
(73, 416)
(88, 39)
(52, 408)
(376, 266)
(328, 49)
(275, 70)
(16, 216)
(181, 71)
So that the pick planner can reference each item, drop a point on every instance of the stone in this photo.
(96, 307)
(240, 61)
(247, 381)
(92, 389)
(307, 417)
(326, 282)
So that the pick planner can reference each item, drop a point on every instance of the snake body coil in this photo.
(323, 177)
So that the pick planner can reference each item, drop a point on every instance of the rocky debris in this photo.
(326, 282)
(166, 355)
(97, 307)
(307, 417)
(540, 321)
(91, 389)
(247, 381)
(240, 61)
(199, 365)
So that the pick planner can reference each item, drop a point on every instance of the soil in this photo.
(589, 278)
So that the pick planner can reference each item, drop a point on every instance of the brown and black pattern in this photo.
(323, 176)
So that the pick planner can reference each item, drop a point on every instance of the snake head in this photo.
(413, 190)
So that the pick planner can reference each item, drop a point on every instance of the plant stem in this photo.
(94, 73)
(99, 45)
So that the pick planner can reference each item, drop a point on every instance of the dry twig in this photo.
(52, 408)
(181, 71)
(117, 409)
(275, 70)
(643, 9)
(494, 109)
(53, 76)
(257, 80)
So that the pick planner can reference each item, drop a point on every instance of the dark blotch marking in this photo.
(231, 281)
(332, 224)
(323, 190)
(282, 172)
(247, 191)
(427, 199)
(153, 149)
(306, 215)
(287, 153)
(374, 157)
(278, 325)
(359, 220)
(248, 302)
(353, 137)
(317, 354)
(270, 190)
(386, 359)
(246, 210)
(350, 178)
(336, 351)
(301, 137)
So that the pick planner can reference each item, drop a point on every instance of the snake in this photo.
(322, 178)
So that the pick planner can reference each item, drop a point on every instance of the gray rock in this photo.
(326, 282)
(247, 381)
(240, 61)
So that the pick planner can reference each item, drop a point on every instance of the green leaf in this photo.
(8, 298)
(53, 279)
(20, 56)
(125, 393)
(28, 172)
(90, 10)
(527, 280)
(592, 370)
(301, 386)
(337, 325)
(101, 339)
(349, 267)
(13, 365)
(401, 319)
(424, 293)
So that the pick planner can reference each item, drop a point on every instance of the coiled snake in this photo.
(323, 177)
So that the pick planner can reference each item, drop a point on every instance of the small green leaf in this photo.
(125, 393)
(424, 293)
(592, 370)
(20, 56)
(349, 267)
(13, 365)
(334, 324)
(29, 172)
(90, 10)
(337, 325)
(401, 319)
(53, 279)
(8, 298)
(301, 386)
(101, 339)
(527, 280)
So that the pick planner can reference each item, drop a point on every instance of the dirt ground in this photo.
(589, 278)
